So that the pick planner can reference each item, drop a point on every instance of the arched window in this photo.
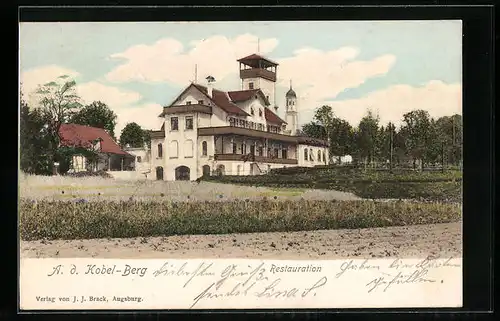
(204, 148)
(319, 155)
(160, 150)
(305, 154)
(252, 112)
(311, 154)
(174, 149)
(188, 148)
(324, 157)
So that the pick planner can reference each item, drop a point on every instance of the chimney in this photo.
(210, 80)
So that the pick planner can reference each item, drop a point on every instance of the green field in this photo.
(430, 186)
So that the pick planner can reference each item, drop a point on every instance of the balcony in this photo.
(240, 131)
(257, 159)
(257, 72)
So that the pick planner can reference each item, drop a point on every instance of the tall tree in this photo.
(96, 114)
(386, 141)
(449, 130)
(418, 133)
(59, 101)
(367, 136)
(325, 117)
(33, 139)
(133, 135)
(314, 130)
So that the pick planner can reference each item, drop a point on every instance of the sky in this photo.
(388, 67)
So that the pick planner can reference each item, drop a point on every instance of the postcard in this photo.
(240, 165)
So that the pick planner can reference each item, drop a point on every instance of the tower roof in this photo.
(254, 59)
(291, 93)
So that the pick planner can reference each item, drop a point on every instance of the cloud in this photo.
(168, 61)
(31, 78)
(146, 115)
(111, 96)
(436, 97)
(317, 75)
(123, 102)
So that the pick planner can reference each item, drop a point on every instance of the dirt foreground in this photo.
(404, 242)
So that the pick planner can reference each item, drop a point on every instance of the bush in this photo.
(104, 219)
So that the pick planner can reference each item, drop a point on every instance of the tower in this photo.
(292, 118)
(257, 72)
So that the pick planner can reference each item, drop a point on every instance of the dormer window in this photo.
(200, 102)
(250, 85)
(188, 102)
(252, 111)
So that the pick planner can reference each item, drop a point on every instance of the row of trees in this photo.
(59, 103)
(419, 139)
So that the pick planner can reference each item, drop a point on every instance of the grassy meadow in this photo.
(59, 207)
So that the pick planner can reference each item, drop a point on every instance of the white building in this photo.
(212, 132)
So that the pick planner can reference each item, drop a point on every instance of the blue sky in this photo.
(137, 67)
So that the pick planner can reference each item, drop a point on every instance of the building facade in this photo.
(212, 132)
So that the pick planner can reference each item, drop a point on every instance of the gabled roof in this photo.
(244, 95)
(73, 135)
(272, 117)
(222, 100)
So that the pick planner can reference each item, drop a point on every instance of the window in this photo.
(188, 148)
(160, 150)
(324, 157)
(260, 112)
(189, 122)
(188, 102)
(174, 123)
(284, 153)
(311, 154)
(267, 97)
(268, 152)
(305, 155)
(138, 159)
(261, 151)
(174, 149)
(260, 127)
(204, 149)
(252, 112)
(242, 123)
(234, 148)
(250, 85)
(319, 155)
(200, 102)
(276, 152)
(252, 149)
(243, 148)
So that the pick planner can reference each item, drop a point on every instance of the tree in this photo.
(59, 102)
(449, 130)
(314, 130)
(97, 114)
(134, 136)
(418, 133)
(366, 137)
(386, 142)
(34, 141)
(324, 117)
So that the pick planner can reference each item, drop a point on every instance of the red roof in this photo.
(221, 99)
(272, 117)
(244, 95)
(82, 136)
